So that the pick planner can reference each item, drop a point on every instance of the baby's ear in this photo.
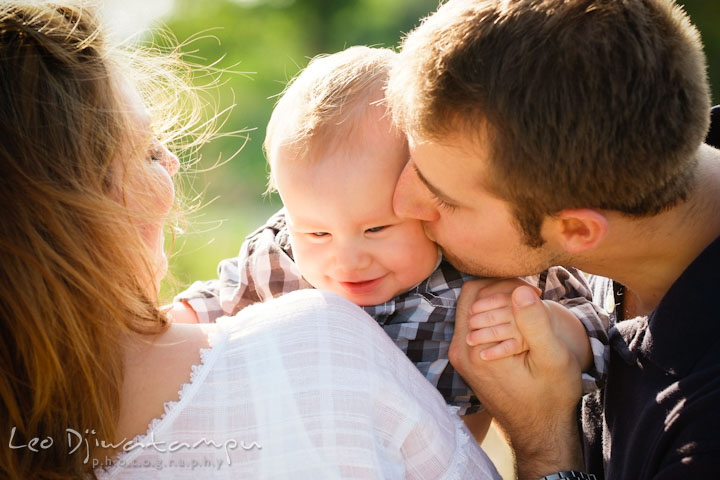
(579, 230)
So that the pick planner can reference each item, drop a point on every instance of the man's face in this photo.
(443, 186)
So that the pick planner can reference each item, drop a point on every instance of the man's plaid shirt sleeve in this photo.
(264, 269)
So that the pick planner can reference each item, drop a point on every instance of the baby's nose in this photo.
(351, 257)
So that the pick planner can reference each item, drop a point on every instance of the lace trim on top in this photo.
(216, 341)
(462, 437)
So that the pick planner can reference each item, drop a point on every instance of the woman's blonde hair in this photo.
(75, 271)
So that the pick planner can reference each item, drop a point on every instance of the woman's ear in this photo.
(579, 230)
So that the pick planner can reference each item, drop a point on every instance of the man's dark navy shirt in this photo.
(713, 136)
(662, 397)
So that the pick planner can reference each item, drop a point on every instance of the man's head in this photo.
(555, 104)
(335, 158)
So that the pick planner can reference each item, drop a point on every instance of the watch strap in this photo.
(570, 474)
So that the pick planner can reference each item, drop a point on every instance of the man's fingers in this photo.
(468, 296)
(533, 320)
(460, 354)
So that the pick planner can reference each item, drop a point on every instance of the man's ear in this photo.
(579, 230)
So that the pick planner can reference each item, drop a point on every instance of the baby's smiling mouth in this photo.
(363, 286)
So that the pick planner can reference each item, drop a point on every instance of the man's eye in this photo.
(376, 229)
(442, 203)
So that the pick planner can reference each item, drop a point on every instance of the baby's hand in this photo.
(492, 322)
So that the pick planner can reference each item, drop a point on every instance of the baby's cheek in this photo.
(416, 241)
(308, 259)
(415, 257)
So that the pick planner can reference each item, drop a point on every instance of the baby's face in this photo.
(344, 234)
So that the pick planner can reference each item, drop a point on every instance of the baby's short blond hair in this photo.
(323, 102)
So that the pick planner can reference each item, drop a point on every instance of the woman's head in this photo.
(85, 189)
(77, 136)
(142, 184)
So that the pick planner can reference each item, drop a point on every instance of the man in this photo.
(569, 132)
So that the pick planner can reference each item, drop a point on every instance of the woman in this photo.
(95, 380)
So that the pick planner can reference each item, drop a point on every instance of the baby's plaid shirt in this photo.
(420, 321)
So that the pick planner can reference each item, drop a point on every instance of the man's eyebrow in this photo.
(434, 190)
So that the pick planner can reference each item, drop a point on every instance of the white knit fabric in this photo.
(306, 386)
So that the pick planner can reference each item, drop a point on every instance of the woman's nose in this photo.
(169, 160)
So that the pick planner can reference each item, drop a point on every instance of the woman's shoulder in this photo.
(307, 305)
(326, 316)
(316, 340)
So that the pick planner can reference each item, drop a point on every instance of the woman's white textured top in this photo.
(306, 386)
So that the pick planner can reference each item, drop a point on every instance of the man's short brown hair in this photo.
(588, 103)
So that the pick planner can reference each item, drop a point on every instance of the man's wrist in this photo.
(556, 450)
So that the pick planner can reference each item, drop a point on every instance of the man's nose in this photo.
(412, 199)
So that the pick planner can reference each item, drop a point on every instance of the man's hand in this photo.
(492, 322)
(532, 395)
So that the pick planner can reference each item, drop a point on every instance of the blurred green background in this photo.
(271, 40)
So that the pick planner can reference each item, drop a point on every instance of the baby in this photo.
(334, 158)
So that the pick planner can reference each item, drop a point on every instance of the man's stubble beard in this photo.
(516, 266)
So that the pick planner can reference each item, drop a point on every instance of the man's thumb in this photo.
(533, 319)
